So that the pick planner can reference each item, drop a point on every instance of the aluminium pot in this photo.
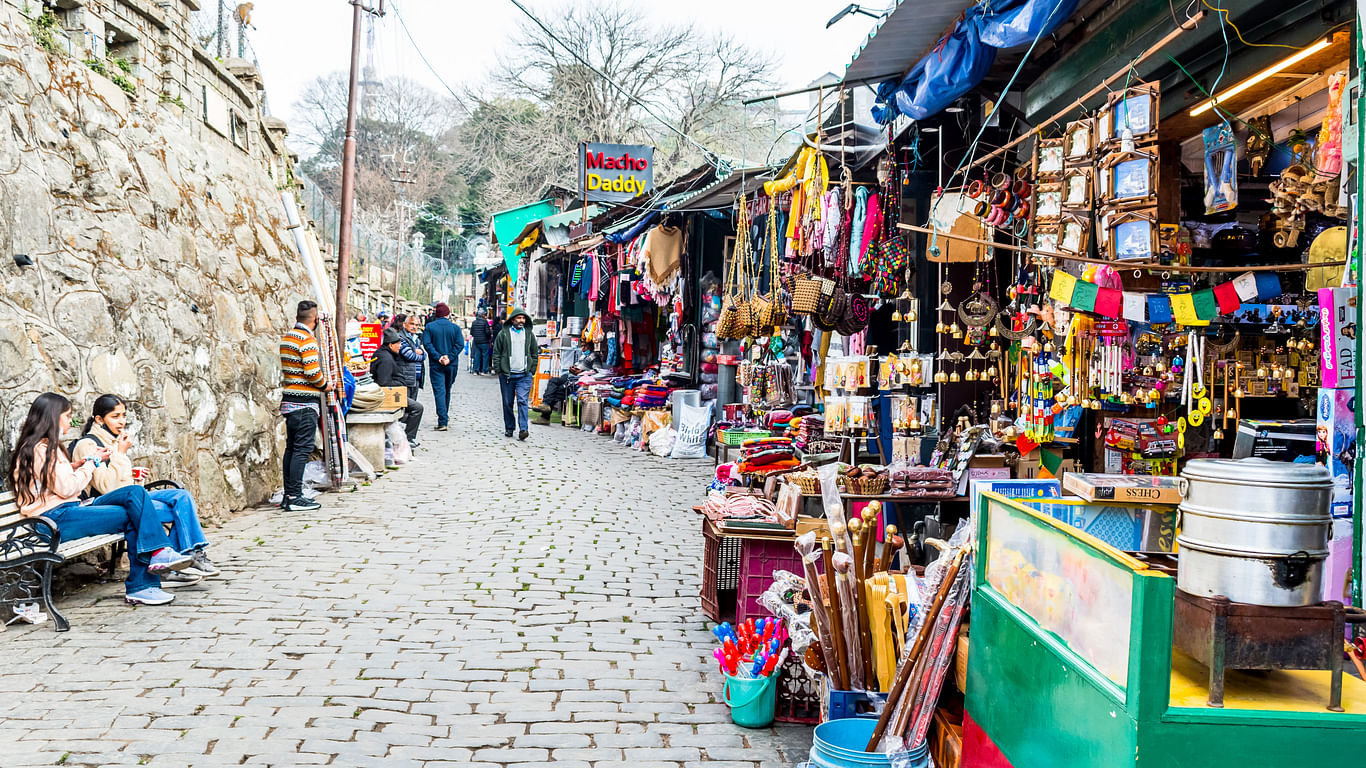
(1254, 531)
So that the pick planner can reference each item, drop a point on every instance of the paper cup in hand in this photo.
(140, 475)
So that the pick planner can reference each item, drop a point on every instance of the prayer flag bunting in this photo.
(1135, 307)
(1183, 310)
(1227, 296)
(1084, 296)
(1063, 287)
(1246, 286)
(1109, 302)
(1159, 309)
(1206, 308)
(1268, 285)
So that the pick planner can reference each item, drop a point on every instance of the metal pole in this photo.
(222, 28)
(348, 190)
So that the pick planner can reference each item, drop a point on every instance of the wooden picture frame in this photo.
(1128, 179)
(1132, 235)
(1078, 189)
(1045, 238)
(1052, 159)
(1136, 108)
(1048, 201)
(1074, 234)
(1079, 142)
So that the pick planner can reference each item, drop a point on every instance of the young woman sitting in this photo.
(174, 506)
(47, 483)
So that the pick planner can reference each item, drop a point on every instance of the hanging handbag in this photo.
(736, 320)
(772, 313)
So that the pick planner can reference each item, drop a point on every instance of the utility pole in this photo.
(348, 191)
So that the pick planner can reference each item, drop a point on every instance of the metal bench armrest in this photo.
(30, 539)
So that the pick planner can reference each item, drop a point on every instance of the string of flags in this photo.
(1193, 309)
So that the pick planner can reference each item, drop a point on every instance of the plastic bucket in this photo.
(752, 699)
(840, 743)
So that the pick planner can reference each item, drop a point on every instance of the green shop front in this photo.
(1071, 662)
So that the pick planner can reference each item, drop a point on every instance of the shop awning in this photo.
(722, 193)
(507, 225)
(905, 35)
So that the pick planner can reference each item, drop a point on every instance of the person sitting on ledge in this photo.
(46, 483)
(106, 428)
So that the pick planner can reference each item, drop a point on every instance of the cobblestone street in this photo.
(493, 603)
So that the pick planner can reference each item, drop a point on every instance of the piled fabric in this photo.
(652, 396)
(923, 482)
(809, 430)
(767, 454)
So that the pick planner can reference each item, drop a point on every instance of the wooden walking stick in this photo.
(884, 560)
(865, 634)
(908, 661)
(841, 670)
(806, 546)
(870, 514)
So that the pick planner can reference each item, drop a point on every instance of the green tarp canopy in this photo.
(507, 224)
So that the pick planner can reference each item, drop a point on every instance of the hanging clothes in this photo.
(856, 229)
(872, 224)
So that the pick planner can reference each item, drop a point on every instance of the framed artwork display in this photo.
(1079, 141)
(1129, 179)
(1076, 187)
(1074, 234)
(1046, 237)
(1129, 113)
(1048, 201)
(1133, 235)
(1051, 157)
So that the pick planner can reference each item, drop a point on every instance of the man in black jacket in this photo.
(481, 344)
(390, 370)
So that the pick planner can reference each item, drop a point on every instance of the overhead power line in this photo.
(422, 55)
(710, 156)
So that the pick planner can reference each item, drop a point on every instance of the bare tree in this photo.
(544, 98)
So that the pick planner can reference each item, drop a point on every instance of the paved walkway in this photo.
(493, 603)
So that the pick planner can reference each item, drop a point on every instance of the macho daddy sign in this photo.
(615, 173)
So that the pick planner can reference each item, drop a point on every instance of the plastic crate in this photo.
(735, 437)
(720, 573)
(760, 558)
(842, 704)
(799, 694)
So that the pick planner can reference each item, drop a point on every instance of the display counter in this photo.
(1071, 663)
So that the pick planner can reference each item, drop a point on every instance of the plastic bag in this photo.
(398, 444)
(315, 475)
(662, 441)
(1018, 22)
(691, 442)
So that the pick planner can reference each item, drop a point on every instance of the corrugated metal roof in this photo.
(903, 37)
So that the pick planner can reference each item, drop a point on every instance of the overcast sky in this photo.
(298, 40)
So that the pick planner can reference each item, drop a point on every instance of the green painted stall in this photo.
(1070, 663)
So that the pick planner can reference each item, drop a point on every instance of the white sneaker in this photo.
(149, 596)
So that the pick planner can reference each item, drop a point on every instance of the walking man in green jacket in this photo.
(514, 359)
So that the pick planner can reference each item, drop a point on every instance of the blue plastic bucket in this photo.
(840, 743)
(752, 699)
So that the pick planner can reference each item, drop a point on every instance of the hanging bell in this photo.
(1147, 370)
(1071, 400)
(1261, 371)
(1159, 366)
(955, 331)
(970, 374)
(1048, 346)
(1218, 434)
(911, 315)
(954, 378)
(940, 378)
(940, 328)
(1238, 393)
(991, 331)
(896, 315)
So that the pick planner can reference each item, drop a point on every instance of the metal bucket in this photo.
(1254, 531)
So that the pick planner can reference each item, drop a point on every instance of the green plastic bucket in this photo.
(751, 699)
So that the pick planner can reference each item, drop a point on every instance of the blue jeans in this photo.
(128, 510)
(516, 390)
(175, 506)
(480, 357)
(443, 381)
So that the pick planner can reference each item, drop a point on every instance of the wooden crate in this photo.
(395, 398)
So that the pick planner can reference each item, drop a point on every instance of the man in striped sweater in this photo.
(303, 383)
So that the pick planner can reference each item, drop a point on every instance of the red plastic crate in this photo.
(759, 559)
(720, 573)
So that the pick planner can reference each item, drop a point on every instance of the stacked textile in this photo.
(809, 429)
(652, 396)
(924, 482)
(767, 454)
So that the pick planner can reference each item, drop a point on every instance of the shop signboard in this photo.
(615, 173)
(370, 334)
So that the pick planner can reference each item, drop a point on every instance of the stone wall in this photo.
(161, 269)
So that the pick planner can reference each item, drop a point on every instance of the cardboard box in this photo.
(395, 398)
(1141, 436)
(1129, 527)
(1030, 465)
(1338, 329)
(1276, 440)
(1048, 488)
(1336, 444)
(1132, 489)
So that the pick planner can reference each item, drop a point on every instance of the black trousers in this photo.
(300, 427)
(412, 416)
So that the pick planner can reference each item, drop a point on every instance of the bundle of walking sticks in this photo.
(861, 616)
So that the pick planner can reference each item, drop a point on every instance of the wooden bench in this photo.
(31, 546)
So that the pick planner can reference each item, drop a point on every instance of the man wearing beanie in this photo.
(514, 359)
(444, 342)
(391, 370)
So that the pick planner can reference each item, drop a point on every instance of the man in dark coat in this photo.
(481, 344)
(444, 342)
(390, 370)
(514, 358)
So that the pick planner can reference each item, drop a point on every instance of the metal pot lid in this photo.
(1258, 471)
